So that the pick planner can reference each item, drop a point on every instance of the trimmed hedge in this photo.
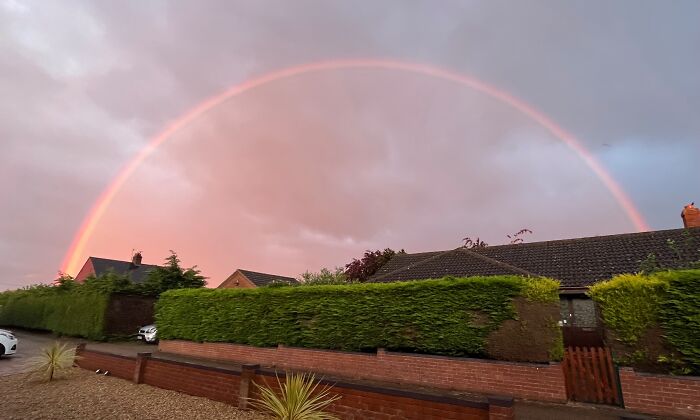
(64, 312)
(448, 316)
(654, 319)
(680, 315)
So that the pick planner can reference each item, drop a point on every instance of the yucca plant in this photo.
(300, 398)
(53, 360)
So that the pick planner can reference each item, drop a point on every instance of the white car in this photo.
(148, 333)
(8, 343)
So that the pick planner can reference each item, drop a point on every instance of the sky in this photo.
(309, 171)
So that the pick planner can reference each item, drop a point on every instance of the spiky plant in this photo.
(300, 398)
(53, 360)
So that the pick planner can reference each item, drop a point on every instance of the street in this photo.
(32, 342)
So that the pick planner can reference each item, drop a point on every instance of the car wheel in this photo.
(2, 351)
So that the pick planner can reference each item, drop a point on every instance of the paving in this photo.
(32, 342)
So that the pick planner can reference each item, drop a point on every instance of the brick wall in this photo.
(212, 383)
(660, 394)
(234, 386)
(117, 365)
(544, 382)
(375, 403)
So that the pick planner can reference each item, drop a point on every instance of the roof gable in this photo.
(574, 262)
(264, 279)
(137, 274)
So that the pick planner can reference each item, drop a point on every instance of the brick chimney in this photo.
(136, 259)
(691, 216)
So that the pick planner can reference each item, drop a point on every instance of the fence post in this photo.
(141, 359)
(247, 374)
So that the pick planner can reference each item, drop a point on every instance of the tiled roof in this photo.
(137, 274)
(263, 279)
(575, 262)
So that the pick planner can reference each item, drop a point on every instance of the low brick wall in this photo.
(543, 382)
(201, 381)
(661, 394)
(117, 365)
(235, 386)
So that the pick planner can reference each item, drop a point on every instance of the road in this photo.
(32, 342)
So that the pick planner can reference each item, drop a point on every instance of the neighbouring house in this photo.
(125, 313)
(246, 279)
(576, 263)
(134, 269)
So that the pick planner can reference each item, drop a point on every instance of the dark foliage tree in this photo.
(172, 276)
(474, 243)
(361, 270)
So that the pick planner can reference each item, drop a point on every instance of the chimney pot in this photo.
(136, 259)
(691, 216)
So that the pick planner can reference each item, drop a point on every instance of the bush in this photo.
(69, 312)
(680, 315)
(630, 304)
(656, 317)
(448, 316)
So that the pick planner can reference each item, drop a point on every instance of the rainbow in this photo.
(74, 257)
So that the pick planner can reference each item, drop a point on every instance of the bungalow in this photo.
(576, 263)
(135, 270)
(250, 279)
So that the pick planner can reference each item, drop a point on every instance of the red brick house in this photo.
(246, 279)
(134, 269)
(576, 263)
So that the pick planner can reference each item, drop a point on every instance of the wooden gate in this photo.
(590, 375)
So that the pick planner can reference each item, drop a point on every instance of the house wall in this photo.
(235, 385)
(543, 382)
(237, 281)
(85, 272)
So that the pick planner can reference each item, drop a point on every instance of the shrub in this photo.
(680, 315)
(52, 361)
(630, 304)
(635, 306)
(300, 398)
(448, 316)
(324, 277)
(70, 312)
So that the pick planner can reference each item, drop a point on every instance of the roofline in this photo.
(490, 260)
(241, 270)
(572, 239)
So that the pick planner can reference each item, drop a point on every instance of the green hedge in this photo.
(655, 317)
(448, 316)
(680, 315)
(64, 312)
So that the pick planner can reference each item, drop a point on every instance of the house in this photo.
(250, 279)
(576, 263)
(134, 269)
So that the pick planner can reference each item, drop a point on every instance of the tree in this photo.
(515, 238)
(325, 276)
(172, 276)
(361, 270)
(476, 243)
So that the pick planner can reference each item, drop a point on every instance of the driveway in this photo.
(32, 342)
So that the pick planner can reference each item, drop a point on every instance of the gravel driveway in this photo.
(84, 395)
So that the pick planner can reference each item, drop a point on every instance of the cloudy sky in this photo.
(311, 170)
